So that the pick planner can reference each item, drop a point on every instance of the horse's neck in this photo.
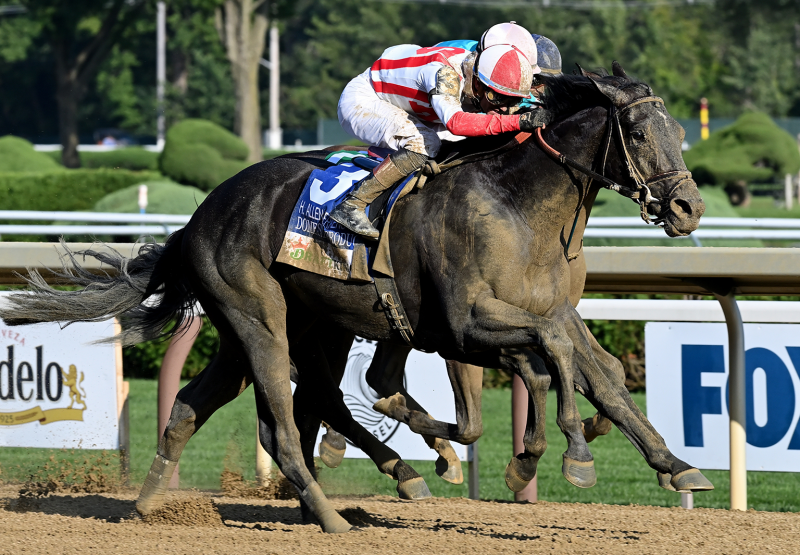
(561, 194)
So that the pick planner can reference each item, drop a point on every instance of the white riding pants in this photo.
(370, 119)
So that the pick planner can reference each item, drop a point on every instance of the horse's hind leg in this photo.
(602, 380)
(254, 311)
(321, 360)
(219, 383)
(385, 376)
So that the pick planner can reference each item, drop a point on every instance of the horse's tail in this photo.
(156, 270)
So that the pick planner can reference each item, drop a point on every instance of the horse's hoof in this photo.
(388, 406)
(333, 523)
(664, 481)
(691, 480)
(595, 427)
(155, 485)
(449, 472)
(580, 474)
(514, 480)
(415, 488)
(331, 456)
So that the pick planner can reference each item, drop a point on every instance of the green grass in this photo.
(623, 476)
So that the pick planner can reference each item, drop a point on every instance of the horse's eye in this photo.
(638, 135)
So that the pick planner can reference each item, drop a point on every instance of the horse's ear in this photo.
(617, 70)
(610, 91)
(589, 74)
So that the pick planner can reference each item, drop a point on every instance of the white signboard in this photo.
(426, 381)
(56, 389)
(687, 397)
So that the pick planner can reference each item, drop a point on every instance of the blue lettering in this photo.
(699, 400)
(780, 397)
(794, 355)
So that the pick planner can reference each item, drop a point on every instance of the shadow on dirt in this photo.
(80, 506)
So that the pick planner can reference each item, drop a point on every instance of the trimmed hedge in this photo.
(18, 155)
(163, 197)
(130, 158)
(65, 190)
(752, 149)
(201, 153)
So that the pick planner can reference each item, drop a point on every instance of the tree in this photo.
(81, 34)
(242, 26)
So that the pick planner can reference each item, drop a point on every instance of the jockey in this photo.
(411, 99)
(548, 57)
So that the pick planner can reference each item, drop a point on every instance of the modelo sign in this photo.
(57, 390)
(687, 392)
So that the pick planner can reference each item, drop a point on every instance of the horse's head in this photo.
(650, 139)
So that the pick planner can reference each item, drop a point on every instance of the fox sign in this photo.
(687, 392)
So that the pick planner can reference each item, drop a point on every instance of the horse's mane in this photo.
(568, 94)
(564, 95)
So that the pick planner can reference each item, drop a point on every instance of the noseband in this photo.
(640, 192)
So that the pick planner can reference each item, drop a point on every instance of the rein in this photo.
(641, 191)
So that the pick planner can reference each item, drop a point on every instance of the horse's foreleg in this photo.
(530, 367)
(219, 383)
(602, 379)
(498, 325)
(385, 376)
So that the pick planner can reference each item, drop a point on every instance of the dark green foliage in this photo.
(752, 149)
(163, 197)
(64, 190)
(18, 155)
(131, 158)
(144, 360)
(201, 153)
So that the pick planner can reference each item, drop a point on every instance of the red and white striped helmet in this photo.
(505, 70)
(515, 35)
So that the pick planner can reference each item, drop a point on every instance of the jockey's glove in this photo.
(540, 117)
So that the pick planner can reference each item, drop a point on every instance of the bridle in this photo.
(640, 192)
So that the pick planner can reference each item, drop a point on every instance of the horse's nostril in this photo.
(681, 207)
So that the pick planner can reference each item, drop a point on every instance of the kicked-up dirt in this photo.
(200, 522)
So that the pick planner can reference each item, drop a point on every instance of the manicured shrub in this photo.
(163, 197)
(201, 153)
(65, 189)
(18, 155)
(130, 158)
(752, 149)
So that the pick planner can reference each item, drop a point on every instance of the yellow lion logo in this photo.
(76, 393)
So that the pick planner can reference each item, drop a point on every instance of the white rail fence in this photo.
(86, 223)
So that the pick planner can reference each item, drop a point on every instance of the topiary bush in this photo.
(18, 155)
(130, 158)
(66, 189)
(163, 197)
(752, 149)
(201, 153)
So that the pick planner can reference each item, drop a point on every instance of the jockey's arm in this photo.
(445, 101)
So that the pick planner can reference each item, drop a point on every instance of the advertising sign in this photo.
(57, 390)
(687, 392)
(426, 381)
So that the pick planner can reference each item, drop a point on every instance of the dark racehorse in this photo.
(480, 267)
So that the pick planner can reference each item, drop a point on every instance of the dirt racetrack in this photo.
(210, 523)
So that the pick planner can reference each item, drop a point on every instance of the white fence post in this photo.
(787, 191)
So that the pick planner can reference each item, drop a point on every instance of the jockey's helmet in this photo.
(514, 35)
(547, 55)
(505, 73)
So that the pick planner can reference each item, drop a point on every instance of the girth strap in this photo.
(393, 308)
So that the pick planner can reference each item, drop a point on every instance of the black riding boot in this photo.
(351, 211)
